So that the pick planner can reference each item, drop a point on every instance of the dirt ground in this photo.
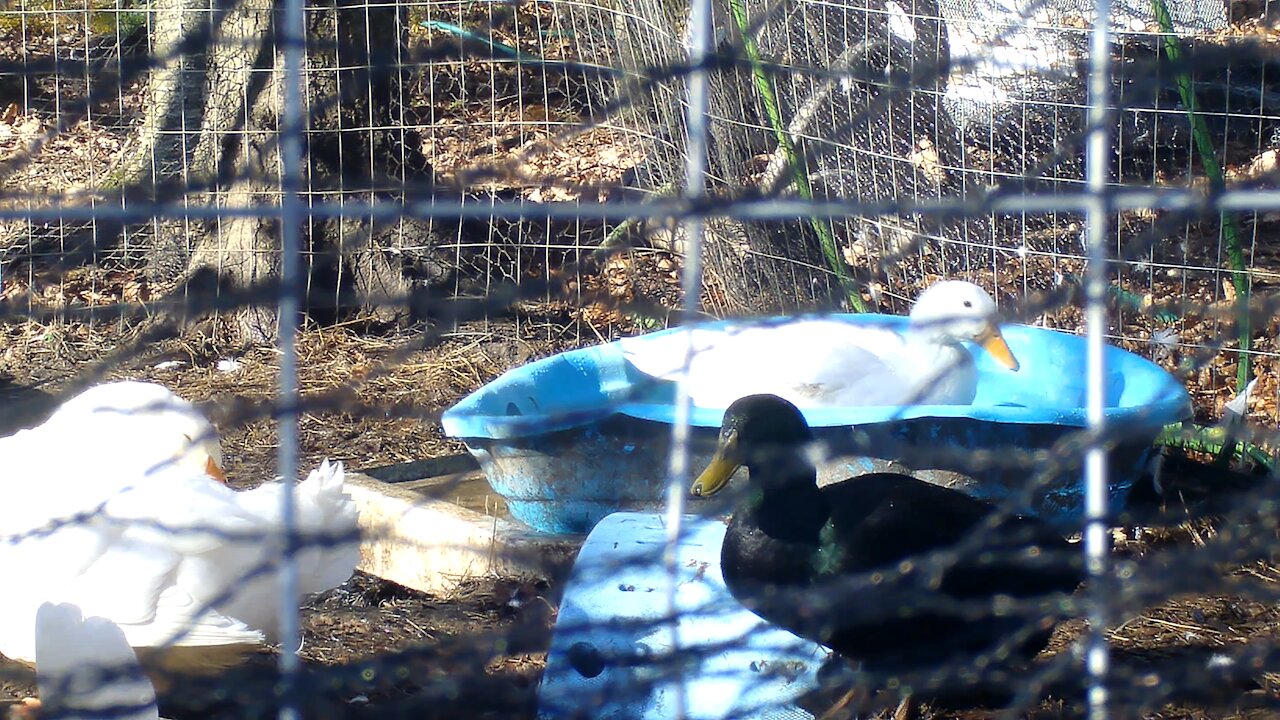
(376, 650)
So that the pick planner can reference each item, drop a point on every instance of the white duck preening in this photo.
(817, 362)
(117, 505)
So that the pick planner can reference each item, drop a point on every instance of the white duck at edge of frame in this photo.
(115, 501)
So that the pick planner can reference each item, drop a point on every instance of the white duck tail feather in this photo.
(325, 509)
(325, 516)
(86, 669)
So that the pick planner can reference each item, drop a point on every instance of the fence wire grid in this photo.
(325, 222)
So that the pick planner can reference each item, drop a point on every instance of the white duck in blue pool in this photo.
(117, 504)
(821, 362)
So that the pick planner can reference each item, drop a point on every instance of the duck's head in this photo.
(757, 431)
(146, 421)
(953, 310)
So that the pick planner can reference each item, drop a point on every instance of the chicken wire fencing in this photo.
(378, 208)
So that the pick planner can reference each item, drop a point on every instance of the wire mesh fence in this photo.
(327, 222)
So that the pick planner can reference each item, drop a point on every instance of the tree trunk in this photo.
(210, 136)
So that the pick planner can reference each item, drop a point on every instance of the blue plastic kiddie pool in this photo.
(569, 439)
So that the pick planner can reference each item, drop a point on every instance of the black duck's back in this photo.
(882, 518)
(878, 521)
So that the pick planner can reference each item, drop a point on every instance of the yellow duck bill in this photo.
(993, 342)
(716, 476)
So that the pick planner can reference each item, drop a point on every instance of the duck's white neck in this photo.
(940, 366)
(931, 335)
(937, 329)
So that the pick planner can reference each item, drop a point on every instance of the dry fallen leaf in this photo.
(926, 159)
(30, 126)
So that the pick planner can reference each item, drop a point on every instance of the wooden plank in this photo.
(414, 536)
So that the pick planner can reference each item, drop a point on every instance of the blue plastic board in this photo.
(614, 653)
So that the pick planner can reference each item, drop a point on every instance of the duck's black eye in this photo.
(968, 303)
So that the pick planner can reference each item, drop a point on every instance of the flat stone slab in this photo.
(430, 525)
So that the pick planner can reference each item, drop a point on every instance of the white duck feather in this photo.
(86, 669)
